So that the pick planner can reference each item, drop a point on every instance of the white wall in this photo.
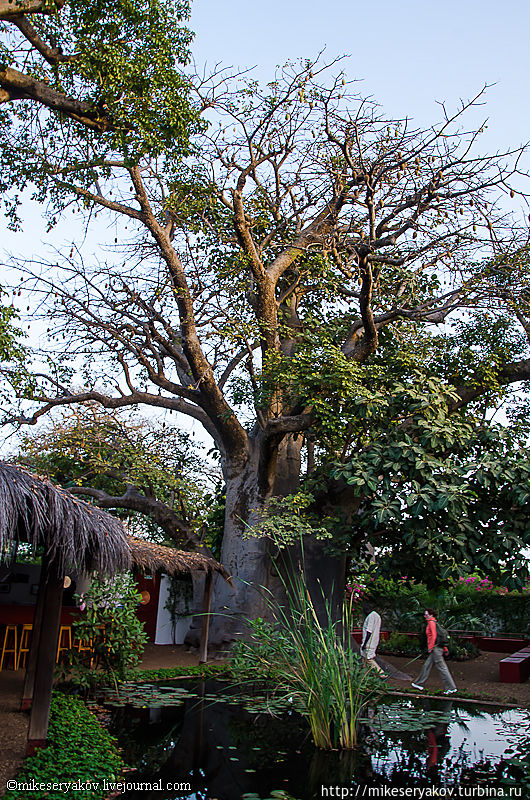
(164, 632)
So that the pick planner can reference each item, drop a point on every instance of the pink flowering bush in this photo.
(482, 585)
(473, 603)
(356, 591)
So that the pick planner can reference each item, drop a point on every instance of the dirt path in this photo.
(13, 725)
(480, 677)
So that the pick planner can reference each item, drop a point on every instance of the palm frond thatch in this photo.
(77, 534)
(73, 533)
(150, 557)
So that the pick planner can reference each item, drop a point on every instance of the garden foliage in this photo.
(78, 749)
(400, 644)
(125, 462)
(472, 603)
(111, 625)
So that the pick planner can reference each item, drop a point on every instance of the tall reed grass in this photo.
(312, 660)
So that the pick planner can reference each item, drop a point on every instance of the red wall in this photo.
(20, 615)
(148, 613)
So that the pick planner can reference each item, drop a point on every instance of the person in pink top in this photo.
(437, 650)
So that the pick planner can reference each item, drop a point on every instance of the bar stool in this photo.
(9, 646)
(85, 646)
(64, 643)
(25, 641)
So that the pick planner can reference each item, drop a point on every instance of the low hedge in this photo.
(472, 604)
(79, 751)
(399, 644)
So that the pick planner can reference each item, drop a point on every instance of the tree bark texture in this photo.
(260, 572)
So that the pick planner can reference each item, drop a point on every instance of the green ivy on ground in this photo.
(79, 750)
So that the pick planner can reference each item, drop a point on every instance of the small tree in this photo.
(152, 475)
(110, 625)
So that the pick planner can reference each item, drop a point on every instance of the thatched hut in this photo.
(151, 557)
(73, 534)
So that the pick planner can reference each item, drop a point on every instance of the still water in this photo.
(227, 742)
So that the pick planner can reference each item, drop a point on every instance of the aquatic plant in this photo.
(312, 660)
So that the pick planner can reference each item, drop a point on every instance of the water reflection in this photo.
(224, 751)
(438, 741)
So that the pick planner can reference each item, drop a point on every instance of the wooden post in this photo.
(29, 679)
(45, 661)
(205, 629)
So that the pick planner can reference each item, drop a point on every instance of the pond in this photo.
(227, 742)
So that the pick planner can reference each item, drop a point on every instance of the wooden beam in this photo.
(46, 654)
(205, 628)
(29, 679)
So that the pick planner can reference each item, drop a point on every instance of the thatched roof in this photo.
(75, 533)
(79, 534)
(150, 557)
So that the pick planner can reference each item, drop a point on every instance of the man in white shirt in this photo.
(371, 631)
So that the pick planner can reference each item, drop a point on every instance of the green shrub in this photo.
(111, 624)
(78, 749)
(461, 649)
(399, 644)
(470, 604)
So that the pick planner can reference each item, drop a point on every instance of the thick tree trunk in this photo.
(257, 576)
(245, 557)
(324, 574)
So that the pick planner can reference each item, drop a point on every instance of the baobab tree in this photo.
(296, 231)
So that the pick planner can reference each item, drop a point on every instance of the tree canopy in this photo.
(146, 472)
(14, 355)
(280, 273)
(81, 81)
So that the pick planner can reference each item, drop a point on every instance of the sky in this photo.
(407, 55)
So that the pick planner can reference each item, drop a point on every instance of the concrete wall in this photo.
(164, 628)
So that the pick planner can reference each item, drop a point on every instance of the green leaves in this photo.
(313, 663)
(118, 93)
(444, 493)
(109, 450)
(110, 623)
(14, 357)
(286, 520)
(79, 749)
(470, 603)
